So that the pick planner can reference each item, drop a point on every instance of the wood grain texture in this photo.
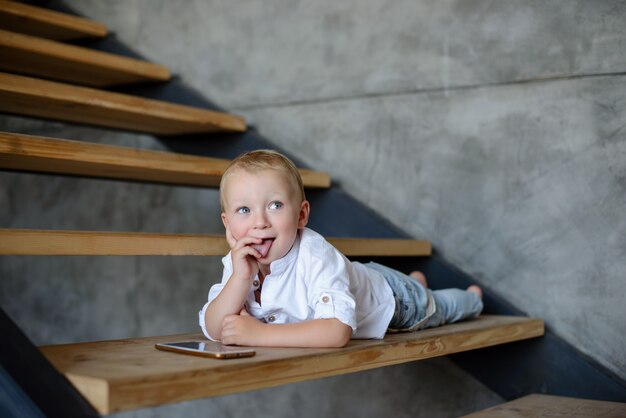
(50, 155)
(45, 58)
(537, 406)
(34, 97)
(31, 20)
(127, 374)
(57, 242)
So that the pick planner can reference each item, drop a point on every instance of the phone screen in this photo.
(206, 348)
(194, 345)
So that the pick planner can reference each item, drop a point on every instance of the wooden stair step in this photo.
(535, 406)
(65, 242)
(128, 374)
(45, 58)
(50, 155)
(36, 21)
(39, 98)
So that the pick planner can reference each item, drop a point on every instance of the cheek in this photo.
(237, 228)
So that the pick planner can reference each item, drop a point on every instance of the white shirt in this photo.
(314, 281)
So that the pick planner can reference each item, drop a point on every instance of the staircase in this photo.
(46, 78)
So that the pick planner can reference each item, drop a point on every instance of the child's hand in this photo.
(241, 330)
(244, 256)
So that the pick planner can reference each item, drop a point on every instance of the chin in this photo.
(268, 259)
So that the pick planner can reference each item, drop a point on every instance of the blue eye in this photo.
(243, 210)
(276, 205)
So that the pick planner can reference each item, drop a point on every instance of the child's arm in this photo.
(231, 299)
(247, 330)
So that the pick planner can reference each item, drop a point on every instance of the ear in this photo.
(303, 217)
(229, 236)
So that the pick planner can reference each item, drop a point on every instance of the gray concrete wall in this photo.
(494, 129)
(247, 53)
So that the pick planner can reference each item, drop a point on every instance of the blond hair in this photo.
(265, 159)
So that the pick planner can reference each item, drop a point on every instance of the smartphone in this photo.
(206, 349)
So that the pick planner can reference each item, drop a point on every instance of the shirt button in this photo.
(325, 299)
(271, 318)
(255, 283)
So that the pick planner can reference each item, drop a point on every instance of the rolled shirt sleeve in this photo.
(202, 322)
(329, 291)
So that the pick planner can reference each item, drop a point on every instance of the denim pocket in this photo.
(406, 311)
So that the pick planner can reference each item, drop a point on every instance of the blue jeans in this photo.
(412, 310)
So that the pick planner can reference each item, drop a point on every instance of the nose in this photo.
(260, 220)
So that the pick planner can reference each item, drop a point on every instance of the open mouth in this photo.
(264, 247)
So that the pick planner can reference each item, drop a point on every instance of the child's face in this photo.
(263, 204)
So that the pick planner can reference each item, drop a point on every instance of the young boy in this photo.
(284, 285)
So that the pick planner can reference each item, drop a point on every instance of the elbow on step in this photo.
(342, 336)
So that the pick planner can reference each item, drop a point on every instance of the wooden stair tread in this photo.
(127, 374)
(536, 405)
(77, 65)
(46, 23)
(39, 98)
(65, 242)
(51, 155)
